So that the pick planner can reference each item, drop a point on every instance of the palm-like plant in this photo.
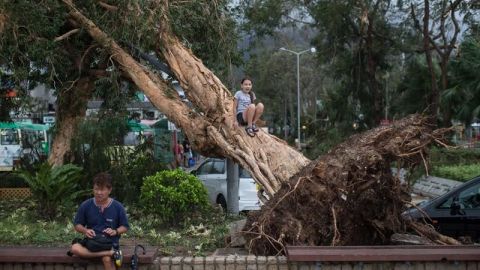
(54, 188)
(464, 94)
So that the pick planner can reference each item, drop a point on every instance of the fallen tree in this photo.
(348, 196)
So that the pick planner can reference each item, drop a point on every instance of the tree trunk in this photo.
(209, 125)
(372, 65)
(71, 111)
(434, 96)
(447, 112)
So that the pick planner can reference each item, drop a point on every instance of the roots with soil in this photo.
(348, 196)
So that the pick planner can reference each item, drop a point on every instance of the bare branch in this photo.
(416, 22)
(456, 25)
(442, 24)
(299, 21)
(107, 6)
(3, 22)
(66, 35)
(447, 47)
(453, 6)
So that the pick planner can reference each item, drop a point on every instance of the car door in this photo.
(247, 192)
(465, 221)
(446, 221)
(203, 173)
(218, 178)
(470, 201)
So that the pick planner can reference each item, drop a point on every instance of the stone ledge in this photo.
(59, 255)
(227, 262)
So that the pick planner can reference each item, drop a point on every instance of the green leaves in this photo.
(174, 195)
(457, 172)
(464, 93)
(54, 188)
(209, 29)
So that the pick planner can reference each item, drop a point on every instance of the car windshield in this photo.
(468, 198)
(243, 173)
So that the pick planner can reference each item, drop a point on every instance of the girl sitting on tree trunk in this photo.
(244, 109)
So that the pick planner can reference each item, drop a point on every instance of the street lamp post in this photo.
(313, 50)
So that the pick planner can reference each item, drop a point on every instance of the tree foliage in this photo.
(373, 52)
(41, 45)
(464, 93)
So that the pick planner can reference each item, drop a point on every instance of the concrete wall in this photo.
(251, 263)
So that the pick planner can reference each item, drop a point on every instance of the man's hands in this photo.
(89, 233)
(110, 231)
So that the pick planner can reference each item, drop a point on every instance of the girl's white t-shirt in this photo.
(243, 100)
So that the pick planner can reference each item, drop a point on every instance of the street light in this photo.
(312, 50)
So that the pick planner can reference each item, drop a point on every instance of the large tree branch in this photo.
(272, 157)
(155, 88)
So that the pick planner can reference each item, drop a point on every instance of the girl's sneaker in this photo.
(254, 128)
(250, 131)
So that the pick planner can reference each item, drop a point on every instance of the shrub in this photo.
(457, 172)
(174, 196)
(54, 188)
(448, 156)
(129, 174)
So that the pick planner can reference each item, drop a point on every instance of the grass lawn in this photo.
(20, 225)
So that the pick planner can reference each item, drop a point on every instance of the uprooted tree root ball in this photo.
(348, 196)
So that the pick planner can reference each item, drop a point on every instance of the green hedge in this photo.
(444, 156)
(457, 172)
(9, 180)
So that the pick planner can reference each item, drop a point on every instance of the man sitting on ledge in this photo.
(102, 220)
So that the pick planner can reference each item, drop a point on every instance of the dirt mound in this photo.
(348, 196)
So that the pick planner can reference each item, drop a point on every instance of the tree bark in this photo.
(372, 65)
(444, 51)
(71, 111)
(3, 21)
(209, 124)
(434, 95)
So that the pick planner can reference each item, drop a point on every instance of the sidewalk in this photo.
(432, 186)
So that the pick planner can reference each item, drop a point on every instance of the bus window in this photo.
(9, 137)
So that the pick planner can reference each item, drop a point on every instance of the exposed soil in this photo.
(348, 196)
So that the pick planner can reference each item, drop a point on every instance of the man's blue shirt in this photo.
(91, 216)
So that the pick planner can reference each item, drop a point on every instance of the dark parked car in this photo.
(456, 213)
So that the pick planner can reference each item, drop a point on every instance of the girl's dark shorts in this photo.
(240, 119)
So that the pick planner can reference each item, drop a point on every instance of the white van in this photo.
(213, 174)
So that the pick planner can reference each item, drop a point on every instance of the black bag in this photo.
(98, 243)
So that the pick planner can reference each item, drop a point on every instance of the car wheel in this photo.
(222, 202)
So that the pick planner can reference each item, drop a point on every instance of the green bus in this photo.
(22, 140)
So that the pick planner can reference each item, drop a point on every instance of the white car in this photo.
(213, 174)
